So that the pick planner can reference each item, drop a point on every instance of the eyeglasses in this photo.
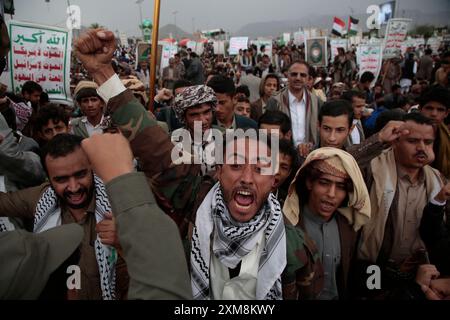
(296, 74)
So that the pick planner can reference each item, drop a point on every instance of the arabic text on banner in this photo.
(42, 54)
(395, 35)
(369, 58)
(337, 43)
(237, 43)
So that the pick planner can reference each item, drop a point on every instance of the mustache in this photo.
(69, 193)
(421, 153)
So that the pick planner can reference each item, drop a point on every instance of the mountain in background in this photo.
(171, 30)
(276, 28)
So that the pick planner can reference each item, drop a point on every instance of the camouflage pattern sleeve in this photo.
(303, 277)
(175, 186)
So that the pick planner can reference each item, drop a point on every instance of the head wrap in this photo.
(193, 96)
(338, 163)
(85, 89)
(135, 85)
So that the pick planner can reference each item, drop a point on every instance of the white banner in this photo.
(267, 43)
(434, 44)
(299, 38)
(395, 35)
(369, 58)
(168, 51)
(41, 54)
(219, 47)
(286, 37)
(337, 43)
(237, 43)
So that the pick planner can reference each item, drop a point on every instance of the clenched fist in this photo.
(95, 49)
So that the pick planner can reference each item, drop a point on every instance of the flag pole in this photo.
(154, 53)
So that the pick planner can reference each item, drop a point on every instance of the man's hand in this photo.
(95, 49)
(444, 194)
(426, 273)
(163, 95)
(304, 149)
(106, 230)
(109, 154)
(439, 289)
(392, 131)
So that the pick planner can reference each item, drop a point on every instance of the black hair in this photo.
(428, 52)
(181, 84)
(60, 146)
(350, 94)
(243, 89)
(30, 87)
(336, 108)
(418, 118)
(436, 93)
(367, 77)
(386, 116)
(52, 112)
(222, 85)
(276, 117)
(44, 99)
(395, 87)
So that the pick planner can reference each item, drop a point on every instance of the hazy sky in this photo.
(231, 15)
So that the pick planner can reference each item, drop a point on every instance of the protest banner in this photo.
(337, 43)
(168, 51)
(369, 58)
(286, 37)
(219, 47)
(143, 51)
(434, 44)
(237, 43)
(41, 54)
(316, 51)
(123, 39)
(267, 43)
(395, 35)
(299, 38)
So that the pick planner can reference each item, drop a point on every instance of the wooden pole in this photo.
(154, 52)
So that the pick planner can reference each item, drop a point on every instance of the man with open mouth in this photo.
(73, 194)
(240, 245)
(328, 200)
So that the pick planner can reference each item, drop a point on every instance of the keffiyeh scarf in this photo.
(233, 240)
(48, 215)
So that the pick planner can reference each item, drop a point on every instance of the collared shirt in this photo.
(356, 137)
(298, 118)
(91, 129)
(326, 236)
(233, 124)
(90, 276)
(412, 199)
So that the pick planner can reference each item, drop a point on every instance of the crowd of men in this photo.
(345, 175)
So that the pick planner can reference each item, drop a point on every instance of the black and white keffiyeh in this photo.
(48, 215)
(233, 240)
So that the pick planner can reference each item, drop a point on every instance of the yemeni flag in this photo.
(338, 27)
(352, 26)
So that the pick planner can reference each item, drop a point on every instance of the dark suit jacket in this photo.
(242, 122)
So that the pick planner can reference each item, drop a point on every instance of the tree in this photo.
(425, 31)
(95, 25)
